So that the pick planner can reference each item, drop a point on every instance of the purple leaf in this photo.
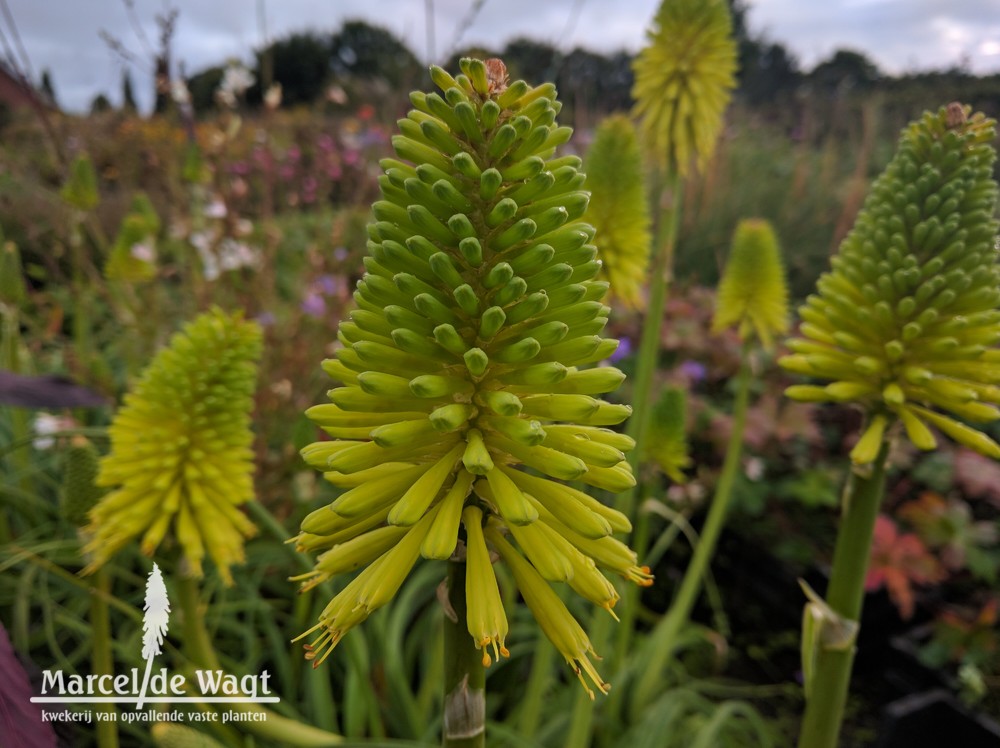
(21, 723)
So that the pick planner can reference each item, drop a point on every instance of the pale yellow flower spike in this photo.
(619, 209)
(180, 450)
(752, 293)
(683, 81)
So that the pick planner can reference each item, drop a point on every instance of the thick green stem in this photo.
(464, 675)
(845, 595)
(661, 274)
(663, 640)
(197, 643)
(642, 405)
(101, 660)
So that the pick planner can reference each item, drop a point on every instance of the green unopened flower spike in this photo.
(12, 288)
(752, 293)
(80, 492)
(471, 358)
(906, 324)
(683, 81)
(132, 257)
(180, 456)
(619, 210)
(80, 190)
(668, 443)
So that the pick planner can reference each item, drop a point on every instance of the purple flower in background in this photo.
(373, 136)
(293, 153)
(314, 305)
(624, 350)
(324, 142)
(694, 371)
(265, 319)
(327, 284)
(240, 167)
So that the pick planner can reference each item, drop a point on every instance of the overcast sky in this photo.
(64, 35)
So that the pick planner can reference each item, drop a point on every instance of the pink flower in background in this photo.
(899, 561)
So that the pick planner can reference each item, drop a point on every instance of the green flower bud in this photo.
(180, 449)
(80, 493)
(683, 80)
(619, 208)
(12, 287)
(80, 190)
(906, 322)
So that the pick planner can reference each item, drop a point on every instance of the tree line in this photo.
(367, 63)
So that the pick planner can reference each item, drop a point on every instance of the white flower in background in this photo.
(336, 95)
(202, 242)
(272, 99)
(754, 468)
(46, 424)
(216, 208)
(179, 92)
(234, 255)
(144, 251)
(235, 81)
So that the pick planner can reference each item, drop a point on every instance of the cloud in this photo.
(899, 35)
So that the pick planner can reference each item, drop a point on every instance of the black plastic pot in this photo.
(933, 719)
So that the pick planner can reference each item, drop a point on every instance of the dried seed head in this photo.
(496, 74)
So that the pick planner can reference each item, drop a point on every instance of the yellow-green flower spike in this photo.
(906, 324)
(619, 210)
(181, 456)
(683, 81)
(80, 190)
(470, 360)
(752, 293)
(12, 288)
(132, 257)
(668, 443)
